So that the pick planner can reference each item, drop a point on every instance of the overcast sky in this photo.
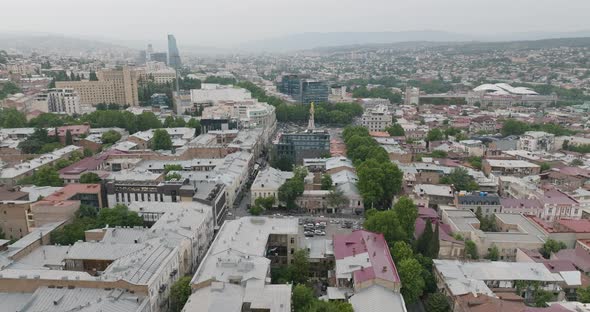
(227, 22)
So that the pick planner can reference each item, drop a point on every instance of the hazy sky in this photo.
(227, 22)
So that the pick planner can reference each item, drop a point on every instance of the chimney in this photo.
(384, 269)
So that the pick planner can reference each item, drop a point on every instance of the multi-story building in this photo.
(304, 90)
(483, 124)
(173, 54)
(300, 145)
(58, 101)
(534, 141)
(144, 262)
(242, 114)
(118, 86)
(235, 273)
(412, 96)
(377, 119)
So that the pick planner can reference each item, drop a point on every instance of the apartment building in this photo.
(377, 119)
(65, 101)
(536, 141)
(119, 86)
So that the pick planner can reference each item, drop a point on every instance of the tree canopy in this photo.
(179, 293)
(89, 178)
(161, 140)
(110, 137)
(461, 180)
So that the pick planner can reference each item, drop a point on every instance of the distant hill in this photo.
(307, 41)
(52, 43)
(469, 46)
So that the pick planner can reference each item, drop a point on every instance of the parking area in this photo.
(322, 226)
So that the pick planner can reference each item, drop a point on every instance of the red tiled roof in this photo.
(576, 226)
(556, 266)
(74, 130)
(375, 246)
(70, 190)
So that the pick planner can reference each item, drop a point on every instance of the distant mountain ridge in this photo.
(52, 42)
(312, 40)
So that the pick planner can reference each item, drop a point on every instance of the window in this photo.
(136, 197)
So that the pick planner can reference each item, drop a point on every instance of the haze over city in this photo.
(227, 23)
(295, 156)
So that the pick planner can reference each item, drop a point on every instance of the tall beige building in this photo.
(117, 86)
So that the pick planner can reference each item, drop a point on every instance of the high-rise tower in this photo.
(173, 54)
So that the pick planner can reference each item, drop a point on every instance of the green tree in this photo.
(326, 182)
(161, 140)
(435, 246)
(551, 246)
(90, 178)
(69, 140)
(475, 162)
(47, 176)
(439, 154)
(293, 188)
(173, 176)
(282, 163)
(194, 123)
(577, 162)
(303, 298)
(147, 120)
(179, 293)
(11, 118)
(401, 251)
(461, 180)
(493, 253)
(410, 272)
(407, 213)
(434, 135)
(424, 242)
(395, 130)
(545, 166)
(256, 210)
(119, 215)
(265, 202)
(336, 199)
(513, 127)
(172, 167)
(437, 302)
(542, 297)
(387, 223)
(583, 294)
(110, 137)
(299, 269)
(471, 250)
(93, 76)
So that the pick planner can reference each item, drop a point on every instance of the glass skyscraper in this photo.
(173, 54)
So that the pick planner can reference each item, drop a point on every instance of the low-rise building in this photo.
(365, 271)
(482, 201)
(436, 194)
(9, 176)
(267, 184)
(510, 167)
